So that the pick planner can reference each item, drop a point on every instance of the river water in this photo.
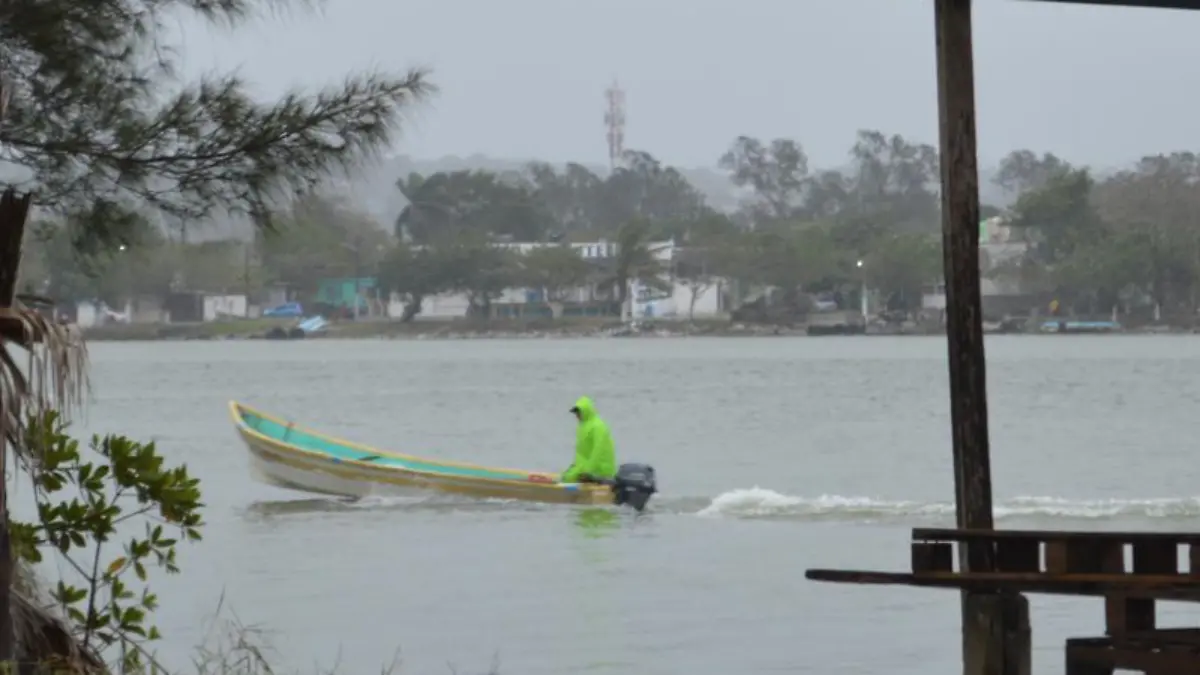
(775, 455)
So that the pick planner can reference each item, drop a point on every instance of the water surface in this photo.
(775, 455)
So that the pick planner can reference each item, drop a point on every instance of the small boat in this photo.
(286, 455)
(1078, 327)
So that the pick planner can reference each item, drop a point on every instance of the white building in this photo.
(997, 245)
(645, 302)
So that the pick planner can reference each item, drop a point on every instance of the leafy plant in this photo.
(109, 607)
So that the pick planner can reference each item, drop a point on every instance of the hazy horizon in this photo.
(526, 78)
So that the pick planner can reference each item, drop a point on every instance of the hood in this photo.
(587, 409)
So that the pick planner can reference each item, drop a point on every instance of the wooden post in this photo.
(14, 210)
(995, 627)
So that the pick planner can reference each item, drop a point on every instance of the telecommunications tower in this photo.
(614, 120)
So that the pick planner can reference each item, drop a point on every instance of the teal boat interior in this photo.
(339, 451)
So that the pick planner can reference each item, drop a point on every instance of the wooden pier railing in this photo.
(1128, 570)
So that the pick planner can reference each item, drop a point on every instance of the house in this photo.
(644, 300)
(998, 245)
(340, 293)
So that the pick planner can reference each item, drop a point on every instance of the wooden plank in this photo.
(932, 557)
(1156, 656)
(1166, 587)
(951, 534)
(1177, 636)
(1074, 556)
(1018, 555)
(1156, 557)
(1123, 615)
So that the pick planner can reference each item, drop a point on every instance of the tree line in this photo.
(1124, 240)
(796, 231)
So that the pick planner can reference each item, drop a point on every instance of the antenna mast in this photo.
(614, 120)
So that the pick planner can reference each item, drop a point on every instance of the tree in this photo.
(414, 274)
(793, 258)
(1098, 272)
(222, 266)
(479, 269)
(144, 263)
(635, 260)
(89, 122)
(1058, 216)
(1151, 211)
(644, 189)
(121, 481)
(1022, 171)
(777, 174)
(706, 228)
(573, 198)
(697, 269)
(900, 265)
(893, 181)
(320, 237)
(556, 269)
(468, 203)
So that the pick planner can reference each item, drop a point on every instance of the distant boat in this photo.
(284, 310)
(1076, 327)
(302, 329)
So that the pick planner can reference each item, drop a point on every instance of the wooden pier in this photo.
(995, 569)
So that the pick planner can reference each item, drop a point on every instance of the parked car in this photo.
(287, 309)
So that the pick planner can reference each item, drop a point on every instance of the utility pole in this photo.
(995, 626)
(357, 273)
(246, 278)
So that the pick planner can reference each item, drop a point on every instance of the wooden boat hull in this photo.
(289, 456)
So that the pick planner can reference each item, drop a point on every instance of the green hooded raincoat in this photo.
(594, 453)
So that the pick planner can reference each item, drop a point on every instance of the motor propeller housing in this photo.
(634, 484)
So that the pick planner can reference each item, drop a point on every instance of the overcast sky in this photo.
(526, 78)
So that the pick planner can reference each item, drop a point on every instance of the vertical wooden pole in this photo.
(960, 246)
(995, 627)
(14, 210)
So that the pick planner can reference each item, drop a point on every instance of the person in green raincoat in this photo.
(594, 453)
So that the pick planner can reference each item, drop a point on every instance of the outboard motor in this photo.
(633, 485)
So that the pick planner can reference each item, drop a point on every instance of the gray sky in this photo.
(525, 78)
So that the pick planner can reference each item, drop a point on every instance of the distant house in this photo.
(341, 292)
(997, 245)
(645, 301)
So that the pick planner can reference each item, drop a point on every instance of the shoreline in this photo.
(455, 329)
(502, 329)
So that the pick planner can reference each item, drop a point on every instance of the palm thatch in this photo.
(54, 375)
